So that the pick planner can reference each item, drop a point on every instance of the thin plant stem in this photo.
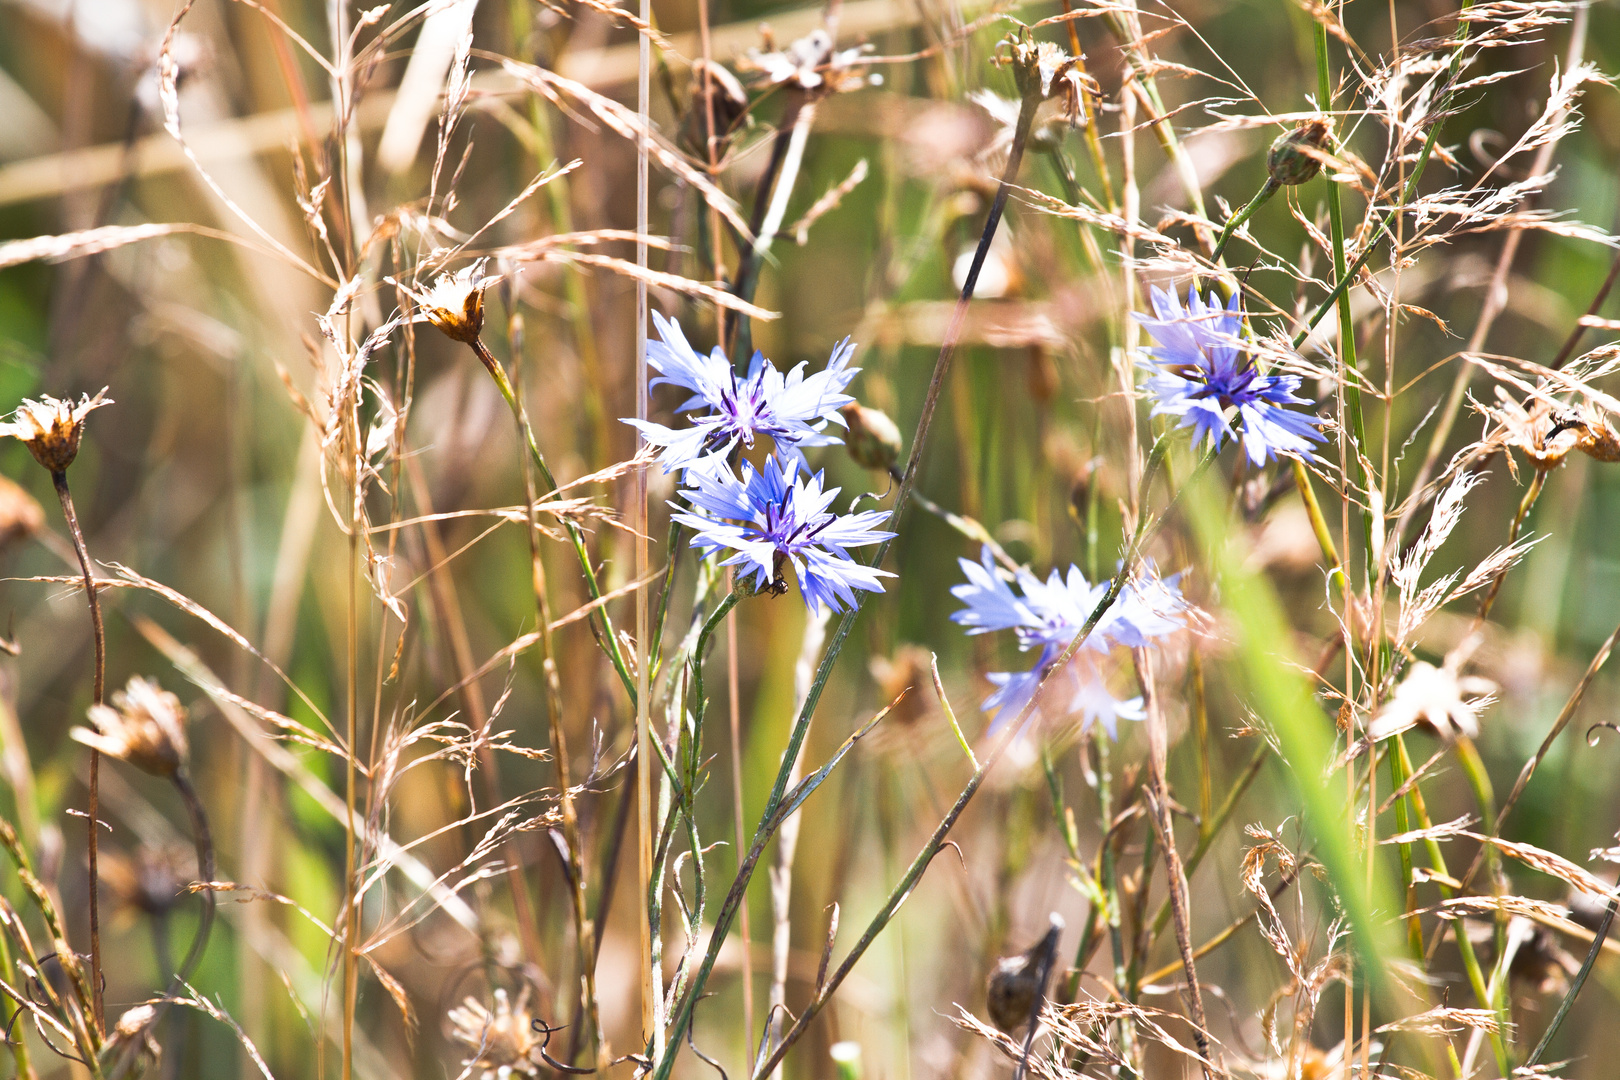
(99, 632)
(734, 716)
(665, 1059)
(652, 1026)
(584, 932)
(1261, 197)
(605, 634)
(1575, 984)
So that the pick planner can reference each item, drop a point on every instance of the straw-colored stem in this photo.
(99, 631)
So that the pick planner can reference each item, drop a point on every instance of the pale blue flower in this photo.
(1202, 369)
(725, 410)
(774, 518)
(1046, 615)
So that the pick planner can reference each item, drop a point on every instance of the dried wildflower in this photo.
(1437, 697)
(1042, 70)
(1537, 432)
(1296, 156)
(145, 726)
(131, 1040)
(793, 409)
(811, 64)
(150, 882)
(20, 514)
(1018, 982)
(1202, 369)
(503, 1041)
(774, 518)
(51, 427)
(874, 439)
(455, 302)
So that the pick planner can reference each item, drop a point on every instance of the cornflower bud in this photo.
(145, 726)
(51, 427)
(874, 439)
(1296, 156)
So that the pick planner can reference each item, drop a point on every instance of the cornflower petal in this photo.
(775, 517)
(794, 410)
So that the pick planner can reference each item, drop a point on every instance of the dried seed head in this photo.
(51, 427)
(1598, 439)
(150, 882)
(1045, 70)
(503, 1040)
(131, 1039)
(20, 515)
(1017, 981)
(1296, 156)
(1541, 433)
(145, 726)
(906, 672)
(874, 439)
(455, 302)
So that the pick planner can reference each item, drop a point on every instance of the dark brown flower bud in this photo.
(1018, 982)
(51, 428)
(873, 439)
(1296, 156)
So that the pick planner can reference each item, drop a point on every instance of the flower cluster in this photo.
(1046, 615)
(1202, 370)
(778, 516)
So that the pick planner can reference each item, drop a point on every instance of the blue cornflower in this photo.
(774, 518)
(793, 409)
(1202, 368)
(1048, 614)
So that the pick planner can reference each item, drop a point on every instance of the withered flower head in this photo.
(1296, 156)
(51, 427)
(873, 439)
(455, 302)
(503, 1041)
(907, 672)
(1436, 697)
(152, 881)
(811, 64)
(1019, 981)
(131, 1040)
(1044, 70)
(1540, 432)
(145, 726)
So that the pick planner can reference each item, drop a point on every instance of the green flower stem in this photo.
(1349, 369)
(1319, 525)
(1261, 197)
(1398, 776)
(1476, 978)
(605, 634)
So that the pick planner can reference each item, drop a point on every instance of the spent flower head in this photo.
(454, 302)
(1204, 372)
(52, 427)
(1439, 698)
(775, 518)
(793, 409)
(503, 1040)
(145, 726)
